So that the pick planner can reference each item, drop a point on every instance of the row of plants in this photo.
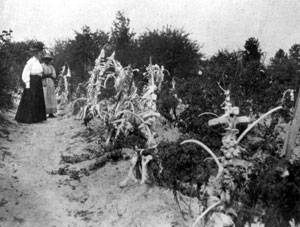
(128, 104)
(106, 100)
(113, 97)
(237, 181)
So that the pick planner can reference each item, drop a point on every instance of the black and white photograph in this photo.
(148, 113)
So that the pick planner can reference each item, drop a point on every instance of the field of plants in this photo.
(218, 136)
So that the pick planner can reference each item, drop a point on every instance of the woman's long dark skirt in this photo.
(32, 105)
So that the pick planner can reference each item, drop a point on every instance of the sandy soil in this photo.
(30, 196)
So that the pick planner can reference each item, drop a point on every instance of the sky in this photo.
(213, 24)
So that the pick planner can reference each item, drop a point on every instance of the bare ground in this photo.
(30, 196)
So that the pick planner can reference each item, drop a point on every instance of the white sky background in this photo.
(214, 24)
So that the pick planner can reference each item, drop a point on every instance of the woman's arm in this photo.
(53, 72)
(26, 74)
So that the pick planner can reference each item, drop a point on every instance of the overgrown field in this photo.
(236, 166)
(221, 131)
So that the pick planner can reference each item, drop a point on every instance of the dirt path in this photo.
(32, 197)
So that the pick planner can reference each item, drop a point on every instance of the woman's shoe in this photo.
(51, 116)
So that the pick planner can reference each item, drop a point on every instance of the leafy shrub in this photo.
(132, 140)
(185, 168)
(268, 195)
(5, 87)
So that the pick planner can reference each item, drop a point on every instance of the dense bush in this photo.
(132, 140)
(261, 193)
(5, 86)
(274, 198)
(13, 57)
(171, 48)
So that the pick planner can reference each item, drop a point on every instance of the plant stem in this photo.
(208, 113)
(255, 122)
(220, 167)
(205, 212)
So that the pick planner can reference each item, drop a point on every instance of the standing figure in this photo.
(49, 75)
(32, 105)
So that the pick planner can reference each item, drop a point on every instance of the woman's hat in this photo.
(47, 56)
(37, 47)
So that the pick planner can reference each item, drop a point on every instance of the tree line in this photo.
(253, 84)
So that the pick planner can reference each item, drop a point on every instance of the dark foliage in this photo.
(134, 139)
(122, 39)
(182, 164)
(171, 48)
(13, 57)
(167, 102)
(5, 96)
(80, 54)
(279, 197)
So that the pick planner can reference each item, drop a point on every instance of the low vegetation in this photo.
(236, 114)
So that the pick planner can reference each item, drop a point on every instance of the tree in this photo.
(84, 49)
(279, 57)
(122, 39)
(294, 52)
(171, 48)
(253, 77)
(294, 56)
(62, 52)
(80, 53)
(280, 69)
(252, 50)
(283, 72)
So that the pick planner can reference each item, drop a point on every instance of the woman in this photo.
(32, 104)
(49, 75)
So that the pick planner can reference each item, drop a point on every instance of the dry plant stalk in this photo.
(120, 113)
(217, 192)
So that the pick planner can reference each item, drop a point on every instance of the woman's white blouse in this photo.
(32, 67)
